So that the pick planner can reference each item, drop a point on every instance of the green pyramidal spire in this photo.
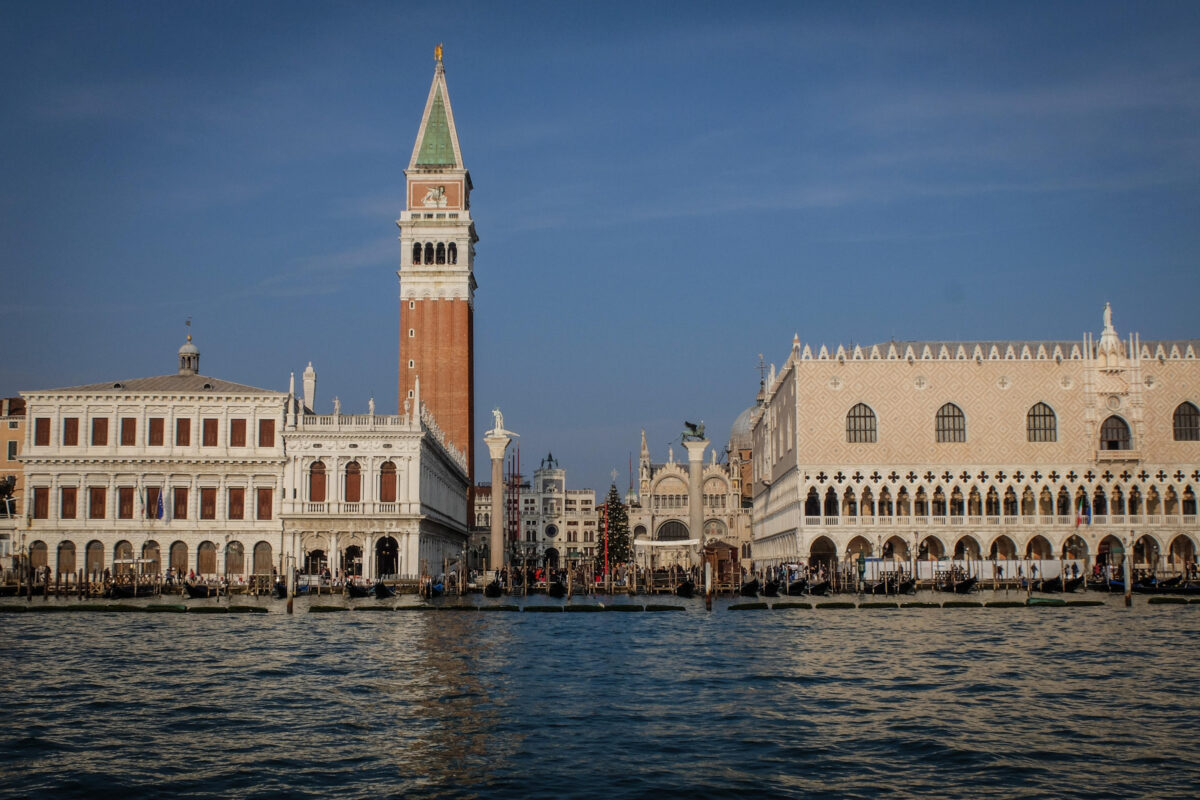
(436, 149)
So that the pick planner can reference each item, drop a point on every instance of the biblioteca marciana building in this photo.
(981, 450)
(197, 474)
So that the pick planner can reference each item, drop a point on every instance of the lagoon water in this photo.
(960, 703)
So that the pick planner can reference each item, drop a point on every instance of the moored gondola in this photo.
(818, 589)
(957, 587)
(685, 589)
(797, 588)
(280, 591)
(891, 586)
(493, 589)
(1071, 584)
(125, 591)
(200, 591)
(1048, 585)
(1105, 585)
(771, 589)
(383, 591)
(354, 590)
(749, 588)
(557, 589)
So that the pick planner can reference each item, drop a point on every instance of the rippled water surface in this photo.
(971, 703)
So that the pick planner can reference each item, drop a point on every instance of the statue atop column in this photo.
(693, 431)
(498, 421)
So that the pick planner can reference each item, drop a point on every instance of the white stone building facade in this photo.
(183, 470)
(199, 475)
(981, 450)
(662, 511)
(376, 496)
(558, 525)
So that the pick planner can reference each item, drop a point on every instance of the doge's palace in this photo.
(981, 451)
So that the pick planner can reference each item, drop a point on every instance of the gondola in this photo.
(200, 591)
(796, 588)
(685, 589)
(961, 587)
(433, 590)
(382, 591)
(493, 589)
(1071, 584)
(749, 588)
(353, 590)
(892, 587)
(1169, 586)
(1048, 585)
(819, 588)
(771, 589)
(556, 589)
(280, 591)
(1105, 585)
(126, 591)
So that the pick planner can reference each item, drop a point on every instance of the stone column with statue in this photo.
(694, 441)
(497, 441)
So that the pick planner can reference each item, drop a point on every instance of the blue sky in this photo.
(663, 191)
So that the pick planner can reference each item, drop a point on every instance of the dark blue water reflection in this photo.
(972, 703)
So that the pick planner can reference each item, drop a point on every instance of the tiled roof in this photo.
(175, 384)
(436, 148)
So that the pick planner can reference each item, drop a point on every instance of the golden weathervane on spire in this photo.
(437, 53)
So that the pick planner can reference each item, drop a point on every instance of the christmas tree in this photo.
(620, 543)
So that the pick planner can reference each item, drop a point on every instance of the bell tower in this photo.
(437, 280)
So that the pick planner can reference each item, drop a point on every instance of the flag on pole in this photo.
(158, 512)
(141, 496)
(1079, 514)
(1089, 514)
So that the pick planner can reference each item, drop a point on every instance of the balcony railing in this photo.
(333, 508)
(1067, 520)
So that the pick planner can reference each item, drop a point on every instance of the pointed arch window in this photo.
(1041, 424)
(316, 482)
(452, 253)
(1114, 434)
(950, 424)
(416, 252)
(1187, 423)
(860, 425)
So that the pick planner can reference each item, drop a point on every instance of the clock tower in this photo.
(437, 281)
